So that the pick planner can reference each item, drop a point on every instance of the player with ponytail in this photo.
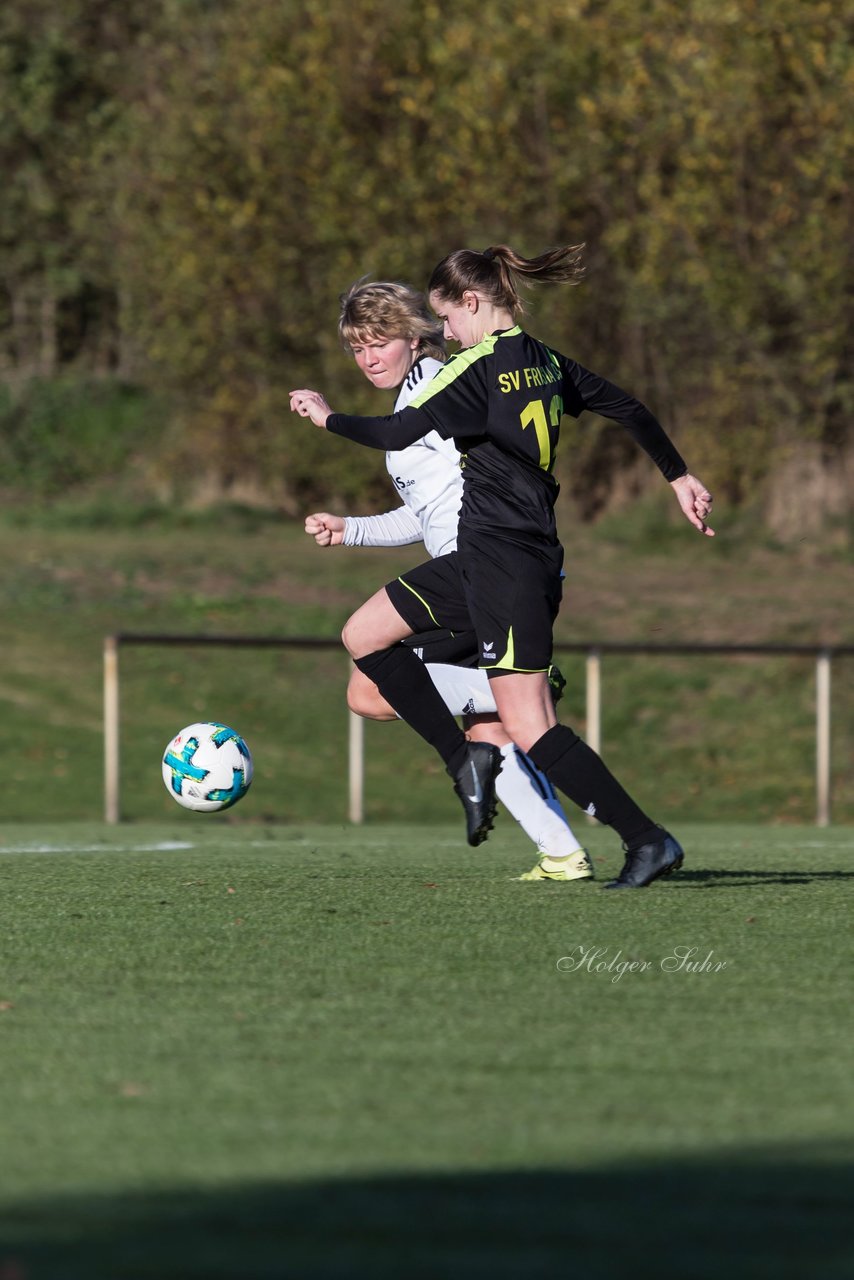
(501, 399)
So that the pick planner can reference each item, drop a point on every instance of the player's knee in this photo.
(364, 699)
(358, 639)
(359, 693)
(349, 638)
(523, 732)
(357, 703)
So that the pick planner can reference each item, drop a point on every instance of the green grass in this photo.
(265, 1051)
(706, 739)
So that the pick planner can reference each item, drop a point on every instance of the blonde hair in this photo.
(498, 273)
(386, 309)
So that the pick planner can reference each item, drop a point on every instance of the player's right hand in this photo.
(311, 404)
(327, 530)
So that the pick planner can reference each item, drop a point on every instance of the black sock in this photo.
(582, 775)
(402, 679)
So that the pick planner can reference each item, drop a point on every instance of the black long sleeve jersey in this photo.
(502, 402)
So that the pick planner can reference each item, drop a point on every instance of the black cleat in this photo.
(648, 862)
(474, 783)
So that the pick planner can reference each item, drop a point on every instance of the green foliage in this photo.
(731, 232)
(192, 185)
(62, 70)
(65, 433)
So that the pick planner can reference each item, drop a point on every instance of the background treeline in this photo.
(188, 185)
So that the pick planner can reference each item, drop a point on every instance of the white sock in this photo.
(530, 797)
(464, 690)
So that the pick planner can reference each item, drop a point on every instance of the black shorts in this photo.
(432, 597)
(509, 595)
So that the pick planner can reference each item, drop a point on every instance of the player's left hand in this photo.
(310, 404)
(695, 501)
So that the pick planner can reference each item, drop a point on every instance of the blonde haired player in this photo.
(396, 344)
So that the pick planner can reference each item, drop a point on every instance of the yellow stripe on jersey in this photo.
(459, 363)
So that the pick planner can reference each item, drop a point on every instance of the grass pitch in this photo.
(702, 738)
(257, 1051)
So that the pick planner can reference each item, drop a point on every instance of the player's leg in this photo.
(464, 692)
(582, 775)
(372, 638)
(375, 625)
(514, 599)
(524, 791)
(365, 699)
(522, 788)
(449, 657)
(527, 794)
(428, 598)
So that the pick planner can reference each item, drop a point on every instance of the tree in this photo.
(196, 181)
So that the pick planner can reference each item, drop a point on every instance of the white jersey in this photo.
(427, 474)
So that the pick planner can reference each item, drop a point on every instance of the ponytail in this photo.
(499, 273)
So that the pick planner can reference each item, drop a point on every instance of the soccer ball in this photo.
(207, 767)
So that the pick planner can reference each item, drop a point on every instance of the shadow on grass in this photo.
(701, 879)
(781, 1213)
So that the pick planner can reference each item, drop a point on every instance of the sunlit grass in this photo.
(229, 1014)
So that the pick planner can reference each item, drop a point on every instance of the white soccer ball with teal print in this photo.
(207, 767)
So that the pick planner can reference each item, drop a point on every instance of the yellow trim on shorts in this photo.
(507, 663)
(519, 671)
(421, 598)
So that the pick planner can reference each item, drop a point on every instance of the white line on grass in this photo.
(163, 846)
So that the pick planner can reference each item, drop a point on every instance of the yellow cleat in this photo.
(576, 867)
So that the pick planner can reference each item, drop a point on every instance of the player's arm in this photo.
(610, 401)
(396, 528)
(393, 432)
